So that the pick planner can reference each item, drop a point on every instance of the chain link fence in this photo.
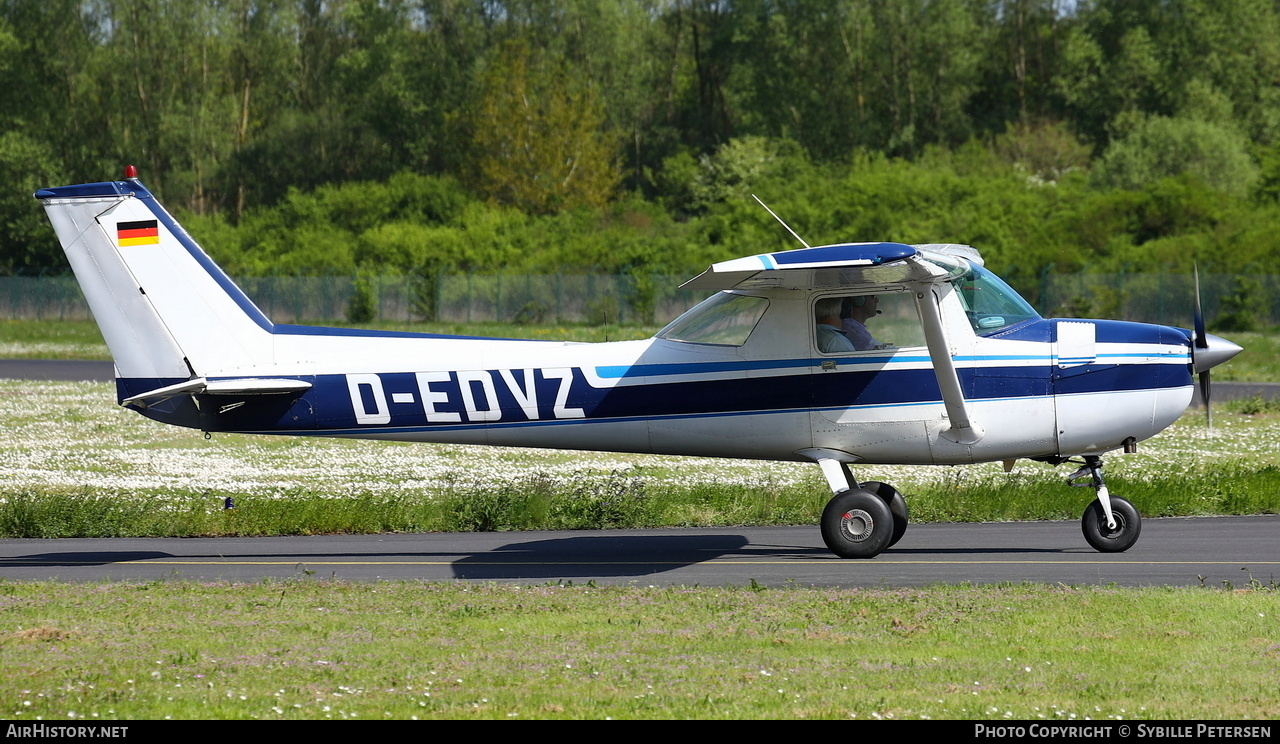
(458, 298)
(1231, 301)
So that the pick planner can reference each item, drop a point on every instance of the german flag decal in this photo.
(145, 232)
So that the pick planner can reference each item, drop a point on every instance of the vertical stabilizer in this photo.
(165, 309)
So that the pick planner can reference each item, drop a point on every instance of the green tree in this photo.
(362, 307)
(47, 87)
(733, 171)
(884, 75)
(1024, 42)
(1232, 48)
(1124, 60)
(1161, 147)
(620, 46)
(1047, 150)
(27, 244)
(539, 141)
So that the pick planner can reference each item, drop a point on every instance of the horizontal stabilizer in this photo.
(200, 385)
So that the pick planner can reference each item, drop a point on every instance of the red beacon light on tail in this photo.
(131, 171)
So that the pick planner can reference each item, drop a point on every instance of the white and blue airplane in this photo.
(958, 367)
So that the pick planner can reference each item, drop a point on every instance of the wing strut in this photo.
(962, 430)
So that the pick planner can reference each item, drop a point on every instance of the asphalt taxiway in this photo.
(1207, 551)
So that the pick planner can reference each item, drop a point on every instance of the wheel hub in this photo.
(1111, 532)
(857, 525)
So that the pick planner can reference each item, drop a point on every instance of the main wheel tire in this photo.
(897, 507)
(857, 524)
(1105, 539)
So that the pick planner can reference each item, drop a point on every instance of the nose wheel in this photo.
(1110, 524)
(1111, 539)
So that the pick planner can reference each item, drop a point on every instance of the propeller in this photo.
(1200, 342)
(1207, 352)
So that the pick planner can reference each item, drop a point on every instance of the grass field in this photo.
(309, 649)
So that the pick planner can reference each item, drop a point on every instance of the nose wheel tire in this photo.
(1105, 539)
(857, 524)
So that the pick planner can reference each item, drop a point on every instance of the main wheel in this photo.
(857, 524)
(897, 507)
(1103, 538)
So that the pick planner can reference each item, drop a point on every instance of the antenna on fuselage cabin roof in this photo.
(779, 219)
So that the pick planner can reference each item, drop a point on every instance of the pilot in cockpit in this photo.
(831, 338)
(854, 314)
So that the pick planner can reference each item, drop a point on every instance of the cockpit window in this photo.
(724, 319)
(990, 303)
(885, 320)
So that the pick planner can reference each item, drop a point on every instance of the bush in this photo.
(363, 305)
(1242, 306)
(1162, 147)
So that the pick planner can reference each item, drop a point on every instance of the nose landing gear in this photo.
(1110, 524)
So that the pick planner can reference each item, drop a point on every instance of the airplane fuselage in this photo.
(773, 397)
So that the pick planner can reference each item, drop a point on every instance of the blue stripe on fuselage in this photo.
(403, 401)
(694, 368)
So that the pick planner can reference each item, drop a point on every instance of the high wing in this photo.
(841, 266)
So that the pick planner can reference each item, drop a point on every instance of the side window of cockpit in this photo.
(867, 322)
(724, 319)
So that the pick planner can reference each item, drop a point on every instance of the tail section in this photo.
(166, 311)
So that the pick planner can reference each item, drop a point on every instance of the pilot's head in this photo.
(860, 308)
(828, 308)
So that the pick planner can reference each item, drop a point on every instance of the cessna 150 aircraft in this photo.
(946, 365)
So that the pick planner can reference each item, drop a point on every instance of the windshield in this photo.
(724, 319)
(990, 303)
